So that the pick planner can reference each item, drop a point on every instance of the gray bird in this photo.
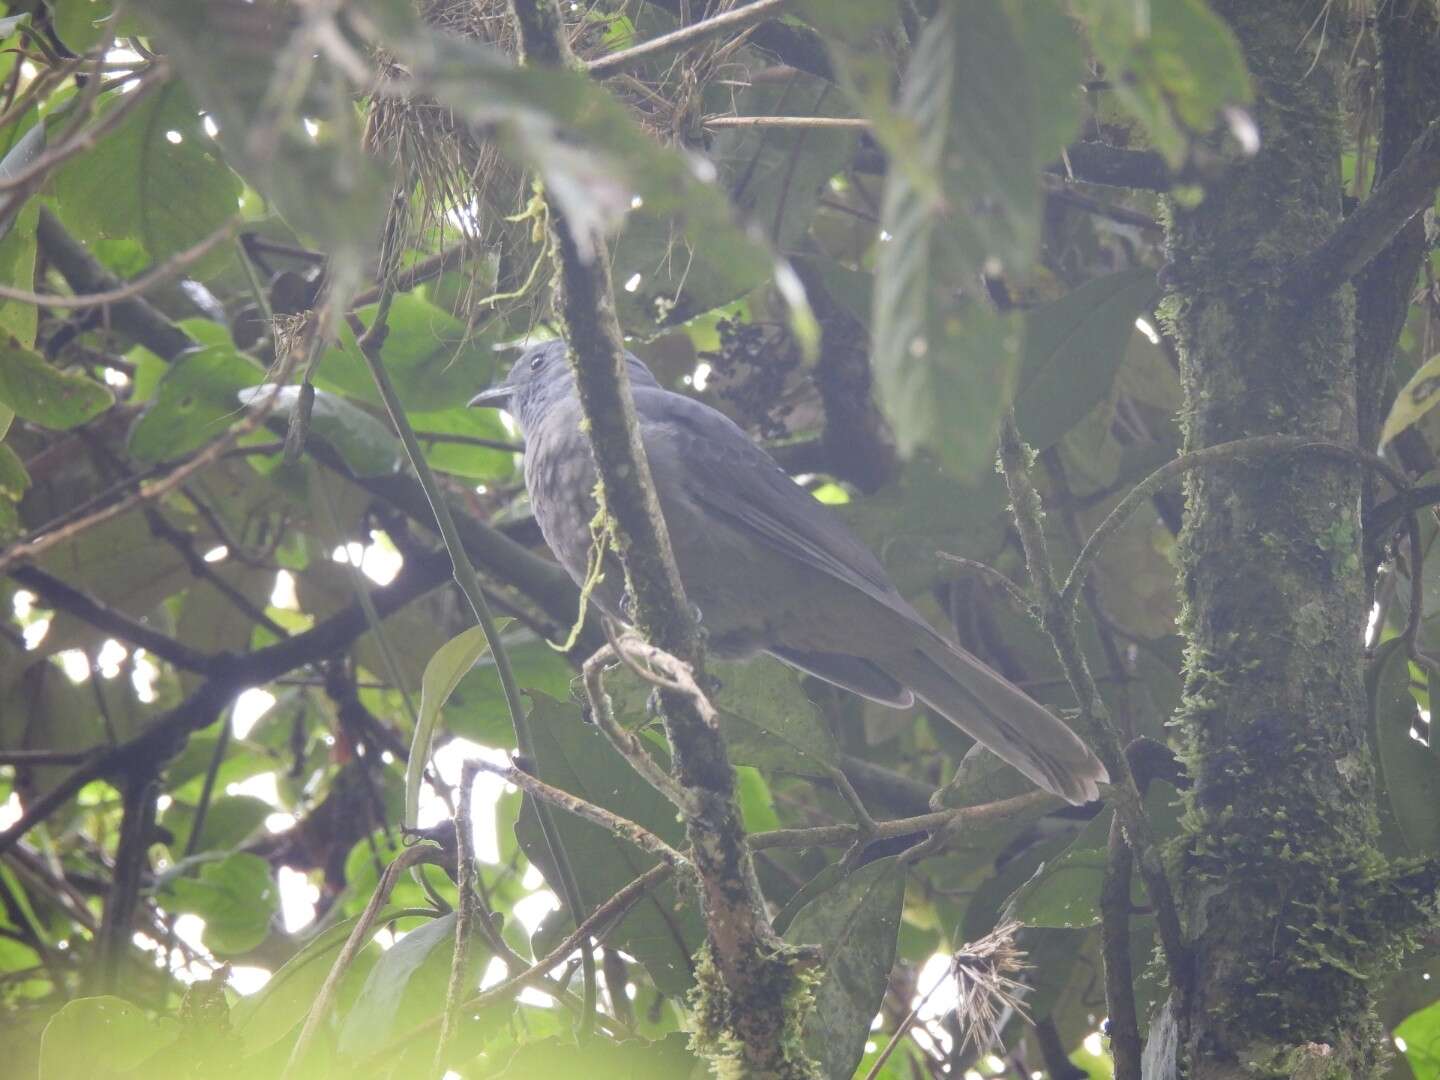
(771, 569)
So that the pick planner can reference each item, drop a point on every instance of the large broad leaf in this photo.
(229, 820)
(965, 202)
(857, 924)
(1173, 63)
(434, 362)
(1420, 1035)
(40, 393)
(17, 229)
(235, 896)
(194, 402)
(261, 1019)
(1416, 398)
(661, 931)
(1409, 770)
(363, 442)
(407, 986)
(100, 1037)
(156, 178)
(478, 710)
(1073, 348)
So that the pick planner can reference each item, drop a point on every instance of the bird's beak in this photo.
(494, 398)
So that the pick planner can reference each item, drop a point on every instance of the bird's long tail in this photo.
(1000, 715)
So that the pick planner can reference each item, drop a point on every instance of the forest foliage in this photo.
(227, 619)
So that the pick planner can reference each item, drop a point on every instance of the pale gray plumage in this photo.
(770, 568)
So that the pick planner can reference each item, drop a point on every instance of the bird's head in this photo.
(541, 379)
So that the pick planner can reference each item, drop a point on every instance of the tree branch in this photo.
(1365, 233)
(137, 318)
(228, 676)
(62, 597)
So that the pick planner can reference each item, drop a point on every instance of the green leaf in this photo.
(964, 202)
(264, 1018)
(24, 142)
(99, 1037)
(235, 896)
(405, 987)
(14, 480)
(228, 821)
(857, 923)
(458, 459)
(45, 395)
(477, 707)
(1409, 773)
(768, 720)
(155, 178)
(363, 442)
(1421, 1034)
(442, 674)
(1073, 348)
(434, 362)
(1174, 64)
(194, 402)
(1416, 398)
(661, 931)
(81, 24)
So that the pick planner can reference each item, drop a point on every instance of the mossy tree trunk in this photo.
(1282, 825)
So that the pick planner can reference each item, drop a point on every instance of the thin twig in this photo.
(1057, 618)
(1234, 450)
(848, 123)
(727, 22)
(625, 742)
(464, 913)
(1032, 803)
(1115, 942)
(162, 272)
(612, 822)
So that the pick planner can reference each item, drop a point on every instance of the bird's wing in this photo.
(733, 479)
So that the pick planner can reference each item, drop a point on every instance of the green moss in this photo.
(787, 984)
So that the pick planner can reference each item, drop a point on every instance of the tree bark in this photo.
(1280, 847)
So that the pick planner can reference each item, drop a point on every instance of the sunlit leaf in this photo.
(100, 1037)
(235, 896)
(442, 674)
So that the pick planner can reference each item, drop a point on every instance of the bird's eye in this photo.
(536, 363)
